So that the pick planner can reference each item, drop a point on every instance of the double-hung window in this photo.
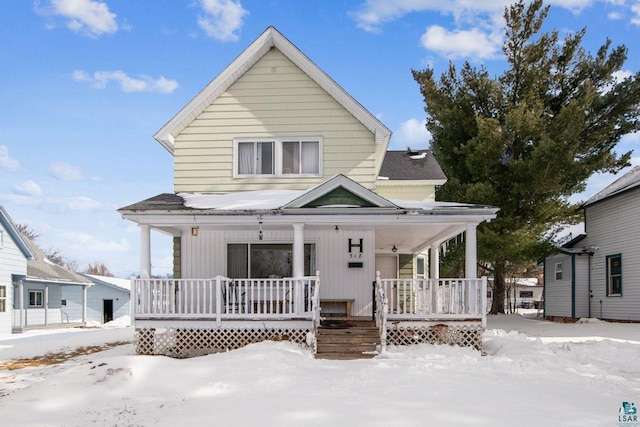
(278, 157)
(558, 271)
(36, 298)
(614, 275)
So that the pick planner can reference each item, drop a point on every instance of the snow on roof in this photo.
(245, 200)
(120, 283)
(627, 181)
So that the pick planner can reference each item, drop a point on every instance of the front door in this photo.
(107, 310)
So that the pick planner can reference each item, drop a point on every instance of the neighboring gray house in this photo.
(598, 274)
(107, 299)
(37, 299)
(14, 253)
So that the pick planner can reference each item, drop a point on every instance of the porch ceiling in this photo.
(413, 238)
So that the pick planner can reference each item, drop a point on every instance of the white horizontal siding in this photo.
(12, 262)
(613, 227)
(272, 99)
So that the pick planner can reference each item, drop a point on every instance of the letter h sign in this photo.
(355, 245)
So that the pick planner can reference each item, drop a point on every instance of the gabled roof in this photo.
(271, 38)
(625, 183)
(360, 194)
(15, 235)
(42, 269)
(411, 165)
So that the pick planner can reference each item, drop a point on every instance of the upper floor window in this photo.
(614, 275)
(278, 156)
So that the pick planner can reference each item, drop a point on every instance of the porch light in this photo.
(394, 249)
(194, 231)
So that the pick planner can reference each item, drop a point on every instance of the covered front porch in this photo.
(264, 261)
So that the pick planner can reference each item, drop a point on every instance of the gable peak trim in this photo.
(269, 39)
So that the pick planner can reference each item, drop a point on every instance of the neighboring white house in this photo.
(597, 274)
(107, 299)
(521, 292)
(38, 296)
(14, 253)
(287, 201)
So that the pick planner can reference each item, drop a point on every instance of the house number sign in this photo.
(355, 249)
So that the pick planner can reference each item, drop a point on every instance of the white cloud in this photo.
(222, 19)
(87, 17)
(374, 13)
(614, 16)
(55, 204)
(635, 9)
(6, 162)
(28, 188)
(65, 171)
(99, 79)
(461, 44)
(412, 133)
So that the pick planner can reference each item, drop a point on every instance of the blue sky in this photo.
(84, 84)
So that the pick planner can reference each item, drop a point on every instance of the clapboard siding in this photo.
(582, 286)
(12, 261)
(407, 192)
(272, 99)
(205, 256)
(613, 226)
(557, 292)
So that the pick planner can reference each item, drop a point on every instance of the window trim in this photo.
(277, 154)
(3, 298)
(608, 276)
(313, 252)
(559, 270)
(36, 291)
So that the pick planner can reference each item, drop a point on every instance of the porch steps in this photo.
(345, 339)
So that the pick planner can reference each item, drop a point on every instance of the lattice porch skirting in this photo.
(191, 342)
(461, 335)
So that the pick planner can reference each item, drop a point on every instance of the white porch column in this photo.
(298, 250)
(298, 265)
(145, 251)
(434, 275)
(471, 253)
(434, 255)
(84, 305)
(46, 305)
(21, 299)
(471, 264)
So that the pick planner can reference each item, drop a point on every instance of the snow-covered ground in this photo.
(534, 373)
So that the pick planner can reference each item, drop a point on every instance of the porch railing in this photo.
(457, 299)
(224, 298)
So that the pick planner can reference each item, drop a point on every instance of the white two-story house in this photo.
(286, 204)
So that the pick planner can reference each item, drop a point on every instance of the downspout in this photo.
(544, 288)
(573, 285)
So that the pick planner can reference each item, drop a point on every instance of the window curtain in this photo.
(310, 157)
(290, 157)
(265, 158)
(245, 158)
